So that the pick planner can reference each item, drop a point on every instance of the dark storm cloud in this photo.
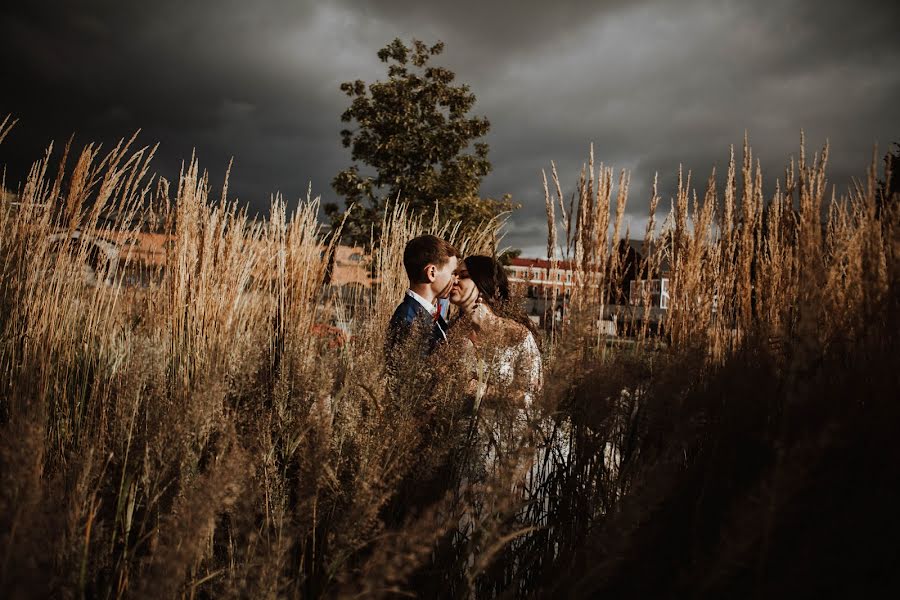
(190, 75)
(661, 87)
(653, 84)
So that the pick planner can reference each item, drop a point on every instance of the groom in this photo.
(430, 264)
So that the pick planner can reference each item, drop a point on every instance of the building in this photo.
(654, 291)
(352, 267)
(653, 287)
(537, 279)
(141, 255)
(148, 249)
(101, 258)
(542, 280)
(538, 275)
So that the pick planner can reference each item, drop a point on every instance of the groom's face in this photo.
(442, 278)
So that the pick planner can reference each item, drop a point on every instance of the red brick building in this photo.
(538, 275)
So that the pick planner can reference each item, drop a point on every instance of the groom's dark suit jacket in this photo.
(412, 319)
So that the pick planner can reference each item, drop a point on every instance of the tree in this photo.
(414, 130)
(506, 257)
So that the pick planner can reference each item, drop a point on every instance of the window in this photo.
(356, 257)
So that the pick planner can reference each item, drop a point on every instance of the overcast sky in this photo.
(653, 84)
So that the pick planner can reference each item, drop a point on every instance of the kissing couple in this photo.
(496, 338)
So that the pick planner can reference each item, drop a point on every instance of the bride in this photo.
(503, 356)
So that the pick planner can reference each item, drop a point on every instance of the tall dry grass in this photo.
(197, 438)
(708, 456)
(803, 263)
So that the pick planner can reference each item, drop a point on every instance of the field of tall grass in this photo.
(196, 438)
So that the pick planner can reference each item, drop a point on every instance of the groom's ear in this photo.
(430, 273)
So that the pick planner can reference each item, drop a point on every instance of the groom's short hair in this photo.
(423, 251)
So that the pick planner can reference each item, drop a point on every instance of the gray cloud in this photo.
(652, 84)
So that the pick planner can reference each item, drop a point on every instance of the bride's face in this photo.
(464, 292)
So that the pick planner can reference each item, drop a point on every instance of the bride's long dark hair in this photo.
(490, 278)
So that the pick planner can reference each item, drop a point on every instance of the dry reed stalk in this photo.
(6, 126)
(615, 267)
(771, 261)
(703, 254)
(397, 229)
(300, 262)
(582, 193)
(566, 214)
(725, 282)
(550, 207)
(691, 304)
(651, 259)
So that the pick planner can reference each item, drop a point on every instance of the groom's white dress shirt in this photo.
(431, 308)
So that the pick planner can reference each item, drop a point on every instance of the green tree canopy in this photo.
(414, 131)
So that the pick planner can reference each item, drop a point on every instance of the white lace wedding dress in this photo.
(509, 378)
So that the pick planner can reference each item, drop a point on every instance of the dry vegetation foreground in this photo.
(195, 438)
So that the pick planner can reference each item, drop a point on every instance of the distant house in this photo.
(102, 257)
(351, 268)
(143, 254)
(654, 291)
(538, 275)
(539, 279)
(146, 248)
(653, 287)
